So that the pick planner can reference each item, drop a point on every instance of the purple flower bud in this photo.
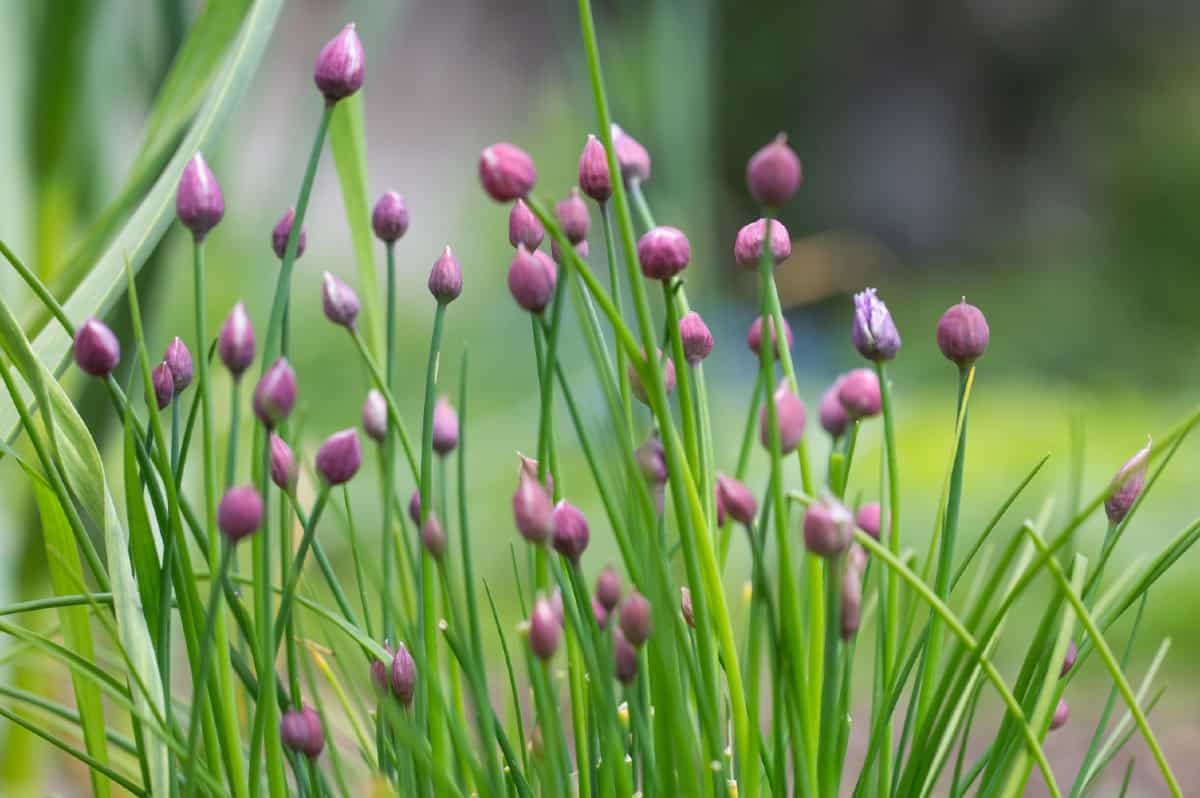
(1061, 713)
(859, 393)
(635, 618)
(570, 531)
(374, 416)
(506, 171)
(1069, 659)
(283, 231)
(235, 344)
(625, 658)
(433, 537)
(339, 457)
(754, 336)
(414, 507)
(594, 178)
(852, 597)
(573, 217)
(668, 376)
(1127, 485)
(874, 332)
(404, 676)
(697, 339)
(556, 604)
(773, 173)
(736, 500)
(97, 350)
(962, 334)
(748, 246)
(524, 228)
(791, 414)
(545, 632)
(198, 202)
(284, 468)
(833, 416)
(275, 394)
(531, 279)
(179, 361)
(599, 613)
(652, 460)
(379, 673)
(869, 519)
(239, 513)
(164, 385)
(445, 427)
(340, 66)
(581, 249)
(533, 510)
(608, 588)
(685, 606)
(530, 467)
(663, 252)
(828, 528)
(445, 279)
(300, 730)
(339, 301)
(631, 156)
(389, 219)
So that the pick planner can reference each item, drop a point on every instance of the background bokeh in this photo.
(1040, 157)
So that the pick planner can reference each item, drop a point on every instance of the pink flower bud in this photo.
(773, 173)
(235, 344)
(300, 730)
(1069, 659)
(696, 337)
(663, 253)
(239, 513)
(735, 500)
(198, 202)
(445, 427)
(652, 460)
(340, 66)
(533, 510)
(631, 156)
(685, 606)
(573, 217)
(506, 171)
(97, 350)
(1061, 713)
(599, 612)
(635, 619)
(283, 230)
(284, 468)
(414, 507)
(375, 416)
(524, 229)
(748, 246)
(859, 393)
(608, 588)
(339, 301)
(668, 375)
(164, 385)
(833, 416)
(962, 334)
(594, 178)
(404, 675)
(275, 394)
(339, 457)
(625, 658)
(531, 279)
(179, 361)
(791, 414)
(445, 279)
(874, 332)
(1127, 486)
(581, 249)
(545, 632)
(433, 537)
(852, 597)
(530, 467)
(869, 519)
(570, 531)
(827, 528)
(754, 335)
(389, 218)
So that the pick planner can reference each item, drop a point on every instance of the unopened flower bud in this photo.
(545, 632)
(791, 415)
(339, 457)
(283, 231)
(573, 217)
(748, 245)
(1127, 486)
(339, 301)
(632, 157)
(594, 178)
(852, 597)
(404, 675)
(235, 343)
(531, 279)
(1069, 659)
(652, 460)
(1061, 713)
(773, 173)
(506, 171)
(599, 613)
(962, 334)
(164, 385)
(754, 336)
(833, 416)
(685, 606)
(859, 393)
(179, 361)
(275, 394)
(625, 659)
(445, 279)
(663, 252)
(533, 510)
(198, 201)
(389, 217)
(300, 730)
(869, 519)
(581, 249)
(284, 468)
(433, 537)
(556, 604)
(827, 528)
(874, 332)
(636, 618)
(736, 500)
(668, 376)
(375, 416)
(97, 350)
(524, 228)
(608, 588)
(340, 66)
(239, 513)
(696, 337)
(414, 507)
(445, 427)
(571, 533)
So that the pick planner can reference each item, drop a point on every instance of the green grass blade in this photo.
(143, 552)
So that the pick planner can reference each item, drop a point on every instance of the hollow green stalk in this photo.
(891, 606)
(287, 598)
(389, 449)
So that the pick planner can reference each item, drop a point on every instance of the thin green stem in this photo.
(235, 418)
(891, 634)
(389, 449)
(287, 598)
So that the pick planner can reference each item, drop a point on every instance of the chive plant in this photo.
(653, 680)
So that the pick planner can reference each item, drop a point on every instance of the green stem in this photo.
(389, 449)
(891, 634)
(287, 598)
(267, 710)
(235, 418)
(830, 717)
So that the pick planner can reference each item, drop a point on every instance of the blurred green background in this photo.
(1040, 158)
